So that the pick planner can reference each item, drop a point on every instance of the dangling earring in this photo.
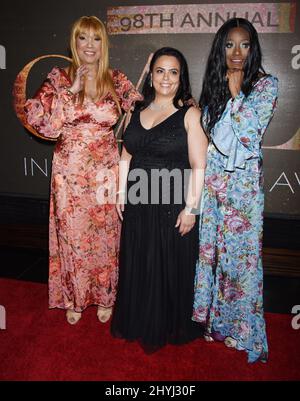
(151, 84)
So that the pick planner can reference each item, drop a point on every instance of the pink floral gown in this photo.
(83, 233)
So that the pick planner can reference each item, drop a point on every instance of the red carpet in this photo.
(38, 344)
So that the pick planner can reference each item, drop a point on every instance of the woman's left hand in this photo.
(185, 222)
(192, 102)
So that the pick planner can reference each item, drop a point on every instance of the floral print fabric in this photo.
(83, 234)
(229, 275)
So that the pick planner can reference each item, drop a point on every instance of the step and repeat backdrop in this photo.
(35, 37)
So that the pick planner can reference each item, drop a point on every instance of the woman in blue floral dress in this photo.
(238, 99)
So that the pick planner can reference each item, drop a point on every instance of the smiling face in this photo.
(237, 48)
(166, 76)
(88, 46)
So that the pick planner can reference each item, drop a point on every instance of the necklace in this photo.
(90, 77)
(92, 97)
(158, 107)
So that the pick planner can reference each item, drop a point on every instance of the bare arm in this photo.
(197, 149)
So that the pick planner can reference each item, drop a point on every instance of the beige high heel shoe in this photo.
(104, 314)
(230, 342)
(72, 316)
(208, 338)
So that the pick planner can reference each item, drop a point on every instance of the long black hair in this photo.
(183, 93)
(215, 92)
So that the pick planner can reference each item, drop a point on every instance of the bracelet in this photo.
(120, 192)
(191, 210)
(69, 92)
(188, 210)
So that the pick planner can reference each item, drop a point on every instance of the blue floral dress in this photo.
(229, 275)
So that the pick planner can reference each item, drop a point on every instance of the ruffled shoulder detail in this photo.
(125, 90)
(58, 78)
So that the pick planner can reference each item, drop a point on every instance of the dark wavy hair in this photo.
(184, 89)
(215, 92)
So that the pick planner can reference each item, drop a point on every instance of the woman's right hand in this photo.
(235, 81)
(120, 204)
(78, 82)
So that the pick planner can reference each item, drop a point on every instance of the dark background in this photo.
(29, 29)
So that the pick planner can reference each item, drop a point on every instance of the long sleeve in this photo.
(125, 90)
(45, 112)
(250, 116)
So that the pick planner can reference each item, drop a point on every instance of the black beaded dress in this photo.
(157, 265)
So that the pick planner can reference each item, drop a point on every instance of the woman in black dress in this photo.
(162, 172)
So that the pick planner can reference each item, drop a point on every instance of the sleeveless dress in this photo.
(157, 265)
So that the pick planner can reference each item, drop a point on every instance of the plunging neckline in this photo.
(157, 125)
(86, 99)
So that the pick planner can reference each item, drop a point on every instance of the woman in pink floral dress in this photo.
(80, 105)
